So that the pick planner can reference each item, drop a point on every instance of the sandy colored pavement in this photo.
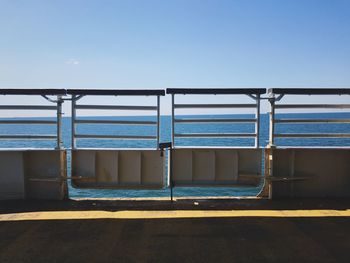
(185, 231)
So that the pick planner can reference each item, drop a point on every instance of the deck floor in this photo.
(119, 231)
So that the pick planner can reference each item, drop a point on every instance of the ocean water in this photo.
(166, 136)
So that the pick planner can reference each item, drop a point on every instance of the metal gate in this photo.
(216, 166)
(294, 170)
(33, 172)
(117, 168)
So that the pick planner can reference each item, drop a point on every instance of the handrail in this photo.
(160, 92)
(62, 92)
(275, 94)
(53, 92)
(28, 136)
(214, 91)
(221, 120)
(27, 107)
(130, 137)
(309, 121)
(310, 91)
(116, 122)
(216, 106)
(312, 106)
(114, 107)
(27, 122)
(116, 92)
(312, 135)
(215, 135)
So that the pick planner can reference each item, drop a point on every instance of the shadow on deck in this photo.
(197, 239)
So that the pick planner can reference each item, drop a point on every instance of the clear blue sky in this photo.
(159, 44)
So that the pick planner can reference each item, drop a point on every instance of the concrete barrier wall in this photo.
(134, 169)
(216, 166)
(311, 172)
(32, 174)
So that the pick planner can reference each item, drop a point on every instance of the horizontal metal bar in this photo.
(216, 91)
(46, 179)
(310, 91)
(115, 107)
(28, 136)
(59, 179)
(27, 107)
(27, 122)
(116, 122)
(129, 137)
(210, 135)
(257, 176)
(215, 120)
(312, 135)
(33, 92)
(296, 121)
(117, 92)
(312, 106)
(201, 106)
(288, 179)
(78, 177)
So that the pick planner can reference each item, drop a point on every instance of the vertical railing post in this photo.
(172, 121)
(59, 122)
(158, 121)
(272, 121)
(172, 146)
(62, 153)
(270, 147)
(73, 121)
(257, 124)
(171, 174)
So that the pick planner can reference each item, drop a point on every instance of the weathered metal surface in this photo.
(325, 172)
(119, 169)
(216, 167)
(28, 174)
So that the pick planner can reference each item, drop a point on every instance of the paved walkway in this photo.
(201, 231)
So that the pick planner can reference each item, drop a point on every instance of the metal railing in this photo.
(45, 93)
(254, 94)
(276, 95)
(78, 94)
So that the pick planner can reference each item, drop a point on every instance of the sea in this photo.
(165, 136)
